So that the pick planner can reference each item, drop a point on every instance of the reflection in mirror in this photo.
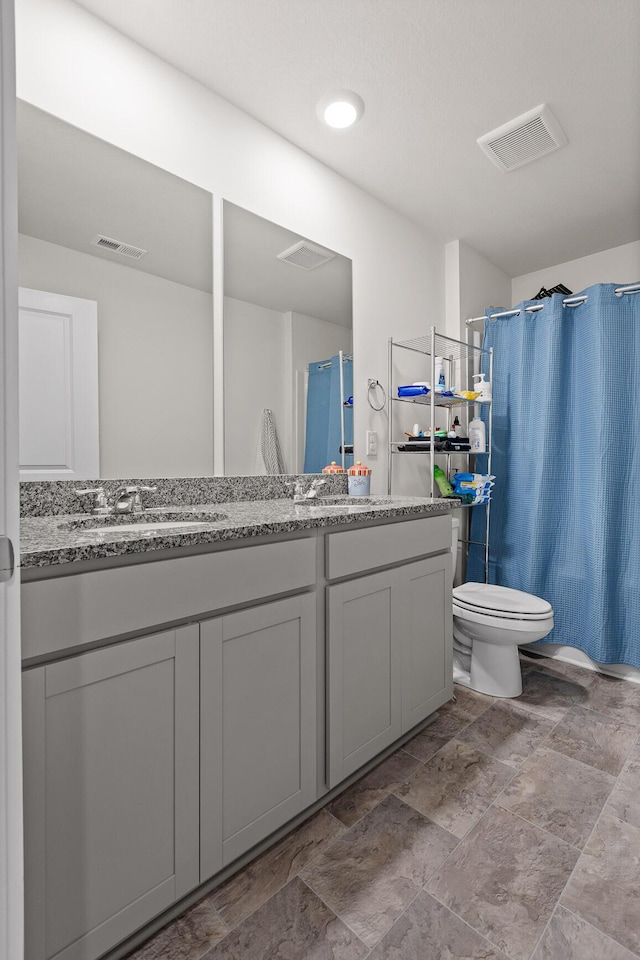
(287, 350)
(155, 354)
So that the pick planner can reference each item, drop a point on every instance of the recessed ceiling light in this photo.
(340, 109)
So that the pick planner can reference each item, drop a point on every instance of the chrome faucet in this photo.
(128, 499)
(310, 494)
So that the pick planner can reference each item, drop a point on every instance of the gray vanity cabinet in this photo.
(427, 649)
(111, 792)
(389, 639)
(364, 619)
(258, 725)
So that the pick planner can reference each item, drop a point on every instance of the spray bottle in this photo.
(440, 477)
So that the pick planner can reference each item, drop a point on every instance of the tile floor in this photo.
(507, 830)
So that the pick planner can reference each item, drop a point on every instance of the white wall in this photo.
(616, 265)
(154, 360)
(149, 108)
(256, 376)
(266, 354)
(473, 283)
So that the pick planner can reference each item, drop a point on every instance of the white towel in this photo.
(269, 456)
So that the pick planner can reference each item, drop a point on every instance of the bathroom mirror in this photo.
(288, 365)
(155, 352)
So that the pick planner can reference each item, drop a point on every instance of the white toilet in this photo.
(489, 622)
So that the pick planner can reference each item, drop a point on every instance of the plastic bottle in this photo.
(477, 436)
(440, 477)
(440, 382)
(484, 388)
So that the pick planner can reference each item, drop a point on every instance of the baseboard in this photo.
(558, 651)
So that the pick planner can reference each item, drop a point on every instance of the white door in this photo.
(58, 386)
(11, 896)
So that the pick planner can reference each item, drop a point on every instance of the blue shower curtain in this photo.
(565, 513)
(322, 434)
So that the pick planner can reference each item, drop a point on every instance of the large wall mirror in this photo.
(288, 364)
(154, 313)
(287, 323)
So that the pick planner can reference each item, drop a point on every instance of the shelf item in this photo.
(461, 363)
(413, 390)
(439, 400)
(419, 446)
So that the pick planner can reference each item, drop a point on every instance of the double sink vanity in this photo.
(202, 674)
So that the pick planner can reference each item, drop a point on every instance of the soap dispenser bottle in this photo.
(483, 387)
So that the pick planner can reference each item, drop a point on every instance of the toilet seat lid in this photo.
(503, 601)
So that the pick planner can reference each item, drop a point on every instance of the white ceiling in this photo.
(252, 271)
(73, 186)
(435, 75)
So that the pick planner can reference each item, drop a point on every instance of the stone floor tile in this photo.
(429, 931)
(433, 738)
(468, 703)
(559, 794)
(568, 937)
(376, 869)
(624, 802)
(604, 888)
(593, 738)
(615, 697)
(294, 924)
(560, 668)
(254, 884)
(188, 937)
(456, 786)
(547, 695)
(367, 793)
(506, 732)
(504, 879)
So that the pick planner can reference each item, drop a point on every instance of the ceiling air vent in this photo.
(306, 255)
(116, 246)
(524, 139)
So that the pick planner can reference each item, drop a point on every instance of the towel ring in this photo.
(372, 386)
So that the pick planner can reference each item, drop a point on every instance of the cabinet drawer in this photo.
(61, 613)
(358, 550)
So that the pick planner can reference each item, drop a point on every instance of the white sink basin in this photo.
(150, 521)
(137, 527)
(344, 501)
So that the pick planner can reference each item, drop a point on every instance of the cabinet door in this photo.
(111, 792)
(364, 671)
(258, 725)
(426, 638)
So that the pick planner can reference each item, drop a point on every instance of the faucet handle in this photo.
(100, 503)
(138, 499)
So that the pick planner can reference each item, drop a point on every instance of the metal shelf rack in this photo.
(462, 361)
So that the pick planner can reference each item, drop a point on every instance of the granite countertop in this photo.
(50, 540)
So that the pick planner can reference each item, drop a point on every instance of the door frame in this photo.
(11, 857)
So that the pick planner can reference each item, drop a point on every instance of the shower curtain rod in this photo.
(345, 356)
(567, 302)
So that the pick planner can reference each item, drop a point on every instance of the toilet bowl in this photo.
(489, 622)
